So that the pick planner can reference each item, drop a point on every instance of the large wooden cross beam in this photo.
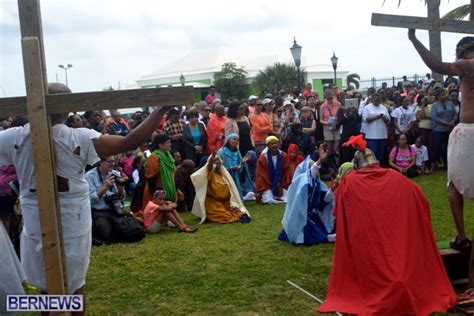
(38, 104)
(433, 24)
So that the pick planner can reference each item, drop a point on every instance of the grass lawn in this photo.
(227, 269)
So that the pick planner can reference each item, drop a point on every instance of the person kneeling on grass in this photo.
(159, 211)
(383, 229)
(308, 215)
(217, 198)
(273, 175)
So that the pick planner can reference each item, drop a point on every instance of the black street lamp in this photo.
(296, 53)
(334, 65)
(182, 80)
(65, 70)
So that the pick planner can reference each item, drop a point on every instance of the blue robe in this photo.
(308, 215)
(241, 177)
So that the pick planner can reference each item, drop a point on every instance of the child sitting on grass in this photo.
(159, 211)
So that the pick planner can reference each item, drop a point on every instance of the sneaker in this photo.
(249, 197)
(171, 224)
(463, 245)
(331, 238)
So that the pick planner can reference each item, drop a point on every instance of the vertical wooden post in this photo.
(42, 143)
(44, 167)
(471, 15)
(435, 36)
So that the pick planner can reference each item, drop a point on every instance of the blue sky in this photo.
(122, 40)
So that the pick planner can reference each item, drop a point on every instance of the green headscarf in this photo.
(344, 168)
(167, 168)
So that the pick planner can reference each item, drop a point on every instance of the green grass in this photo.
(227, 269)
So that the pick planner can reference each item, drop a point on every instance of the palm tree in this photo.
(276, 77)
(354, 79)
(459, 13)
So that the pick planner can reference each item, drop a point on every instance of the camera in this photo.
(113, 201)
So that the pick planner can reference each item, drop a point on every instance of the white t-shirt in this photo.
(16, 149)
(421, 154)
(403, 117)
(376, 129)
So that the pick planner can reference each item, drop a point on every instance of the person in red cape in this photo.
(385, 258)
(273, 177)
(295, 157)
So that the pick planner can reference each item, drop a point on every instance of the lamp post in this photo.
(334, 65)
(65, 71)
(296, 53)
(182, 80)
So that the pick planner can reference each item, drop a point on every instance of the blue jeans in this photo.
(378, 147)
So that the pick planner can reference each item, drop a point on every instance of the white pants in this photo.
(77, 251)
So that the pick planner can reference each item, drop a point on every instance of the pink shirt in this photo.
(329, 110)
(404, 157)
(127, 164)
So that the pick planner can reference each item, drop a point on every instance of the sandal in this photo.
(462, 245)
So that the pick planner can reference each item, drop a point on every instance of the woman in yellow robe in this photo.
(217, 198)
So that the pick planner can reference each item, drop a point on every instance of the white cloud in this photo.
(121, 40)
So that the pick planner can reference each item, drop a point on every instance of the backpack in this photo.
(128, 229)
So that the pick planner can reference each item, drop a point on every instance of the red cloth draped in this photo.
(296, 160)
(385, 258)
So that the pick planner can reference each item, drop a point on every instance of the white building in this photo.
(199, 68)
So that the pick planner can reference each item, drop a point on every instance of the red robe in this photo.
(263, 181)
(385, 258)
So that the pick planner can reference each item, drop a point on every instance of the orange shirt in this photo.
(261, 126)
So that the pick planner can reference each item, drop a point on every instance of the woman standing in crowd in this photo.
(239, 124)
(194, 137)
(308, 122)
(350, 121)
(290, 116)
(423, 115)
(328, 114)
(261, 127)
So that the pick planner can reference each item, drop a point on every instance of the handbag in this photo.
(128, 229)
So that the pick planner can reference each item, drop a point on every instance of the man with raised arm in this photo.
(461, 139)
(74, 149)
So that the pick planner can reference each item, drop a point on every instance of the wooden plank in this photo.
(435, 36)
(411, 22)
(44, 167)
(30, 25)
(103, 100)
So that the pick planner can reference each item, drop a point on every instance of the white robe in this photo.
(11, 272)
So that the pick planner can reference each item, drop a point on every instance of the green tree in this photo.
(459, 13)
(230, 81)
(353, 78)
(276, 77)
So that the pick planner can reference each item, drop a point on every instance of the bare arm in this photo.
(433, 62)
(108, 145)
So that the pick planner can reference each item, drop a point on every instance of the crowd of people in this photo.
(210, 157)
(260, 142)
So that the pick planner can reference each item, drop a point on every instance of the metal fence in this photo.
(391, 81)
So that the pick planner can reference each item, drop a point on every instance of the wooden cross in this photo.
(433, 24)
(38, 104)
